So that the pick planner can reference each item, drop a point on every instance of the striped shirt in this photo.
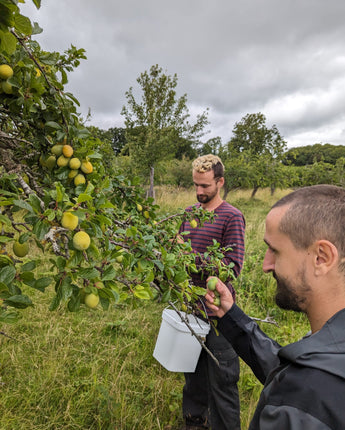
(227, 228)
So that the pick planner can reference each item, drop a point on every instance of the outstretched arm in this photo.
(258, 350)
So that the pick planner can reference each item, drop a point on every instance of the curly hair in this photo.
(209, 162)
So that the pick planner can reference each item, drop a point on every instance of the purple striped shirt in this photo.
(228, 228)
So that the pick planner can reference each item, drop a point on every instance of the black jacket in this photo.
(304, 381)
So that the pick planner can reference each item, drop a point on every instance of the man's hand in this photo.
(226, 299)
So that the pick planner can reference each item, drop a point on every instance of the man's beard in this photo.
(204, 198)
(286, 297)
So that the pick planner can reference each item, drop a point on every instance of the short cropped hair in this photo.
(209, 162)
(316, 212)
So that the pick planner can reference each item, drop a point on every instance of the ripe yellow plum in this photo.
(67, 151)
(193, 223)
(69, 220)
(57, 150)
(74, 163)
(79, 179)
(6, 71)
(62, 161)
(86, 167)
(81, 241)
(91, 300)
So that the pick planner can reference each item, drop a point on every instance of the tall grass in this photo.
(95, 370)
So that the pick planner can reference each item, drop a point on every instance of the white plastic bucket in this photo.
(176, 348)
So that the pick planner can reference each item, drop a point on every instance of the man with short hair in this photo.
(304, 381)
(210, 395)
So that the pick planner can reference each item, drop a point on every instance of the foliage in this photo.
(177, 172)
(310, 154)
(58, 180)
(252, 134)
(158, 123)
(260, 148)
(212, 146)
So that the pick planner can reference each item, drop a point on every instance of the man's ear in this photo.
(326, 256)
(221, 181)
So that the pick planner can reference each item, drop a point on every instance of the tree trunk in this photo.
(256, 187)
(151, 191)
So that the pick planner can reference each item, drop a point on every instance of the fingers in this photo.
(219, 298)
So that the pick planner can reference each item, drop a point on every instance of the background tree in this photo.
(304, 155)
(115, 137)
(252, 137)
(156, 123)
(252, 134)
(212, 146)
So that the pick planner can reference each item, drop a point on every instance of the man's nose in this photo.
(269, 261)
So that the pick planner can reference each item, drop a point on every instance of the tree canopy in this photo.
(306, 155)
(253, 135)
(156, 123)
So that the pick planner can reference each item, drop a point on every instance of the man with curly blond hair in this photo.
(210, 394)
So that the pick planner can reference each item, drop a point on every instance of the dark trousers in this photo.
(210, 395)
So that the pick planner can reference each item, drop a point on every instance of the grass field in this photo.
(95, 370)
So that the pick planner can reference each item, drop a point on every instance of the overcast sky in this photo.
(285, 59)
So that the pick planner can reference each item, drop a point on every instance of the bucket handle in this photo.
(199, 338)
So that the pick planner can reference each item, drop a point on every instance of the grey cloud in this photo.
(285, 59)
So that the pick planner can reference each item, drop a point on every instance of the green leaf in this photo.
(74, 303)
(28, 278)
(141, 294)
(199, 291)
(88, 273)
(180, 276)
(35, 203)
(36, 28)
(5, 239)
(22, 205)
(150, 277)
(8, 42)
(52, 124)
(42, 283)
(60, 263)
(166, 296)
(109, 273)
(23, 24)
(66, 288)
(7, 274)
(28, 267)
(5, 260)
(84, 198)
(55, 302)
(159, 264)
(37, 3)
(19, 301)
(59, 192)
(40, 229)
(4, 219)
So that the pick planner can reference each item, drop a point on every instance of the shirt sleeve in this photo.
(258, 350)
(234, 239)
(288, 418)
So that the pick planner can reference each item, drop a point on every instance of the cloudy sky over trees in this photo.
(284, 59)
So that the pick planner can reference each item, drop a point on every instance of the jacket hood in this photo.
(324, 350)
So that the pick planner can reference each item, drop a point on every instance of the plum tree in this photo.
(81, 232)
